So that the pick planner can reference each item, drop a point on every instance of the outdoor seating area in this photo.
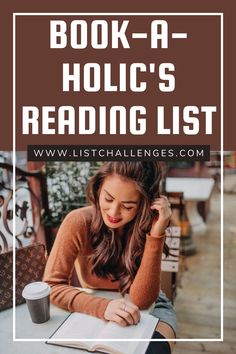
(191, 274)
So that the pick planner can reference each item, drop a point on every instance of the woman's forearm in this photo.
(146, 285)
(67, 246)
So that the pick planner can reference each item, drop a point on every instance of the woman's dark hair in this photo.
(118, 258)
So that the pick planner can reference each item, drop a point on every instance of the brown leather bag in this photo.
(30, 265)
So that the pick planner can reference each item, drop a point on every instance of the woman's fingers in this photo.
(120, 320)
(123, 312)
(164, 196)
(126, 316)
(163, 206)
(163, 200)
(134, 312)
(130, 315)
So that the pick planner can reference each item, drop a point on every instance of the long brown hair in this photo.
(119, 258)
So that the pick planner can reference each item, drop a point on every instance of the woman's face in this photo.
(119, 201)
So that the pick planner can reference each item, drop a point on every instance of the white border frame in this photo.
(221, 15)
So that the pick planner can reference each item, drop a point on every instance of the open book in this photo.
(78, 327)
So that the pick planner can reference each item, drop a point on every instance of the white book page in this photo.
(144, 329)
(123, 347)
(79, 325)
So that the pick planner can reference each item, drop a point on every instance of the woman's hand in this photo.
(161, 222)
(122, 312)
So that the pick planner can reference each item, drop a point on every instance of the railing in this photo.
(28, 208)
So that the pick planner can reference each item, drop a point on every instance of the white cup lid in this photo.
(36, 290)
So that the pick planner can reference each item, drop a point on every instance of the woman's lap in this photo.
(164, 310)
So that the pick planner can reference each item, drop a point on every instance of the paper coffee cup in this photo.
(37, 298)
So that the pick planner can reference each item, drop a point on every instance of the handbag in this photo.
(30, 265)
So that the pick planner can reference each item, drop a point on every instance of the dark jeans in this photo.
(158, 347)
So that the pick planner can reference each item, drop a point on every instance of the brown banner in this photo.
(147, 115)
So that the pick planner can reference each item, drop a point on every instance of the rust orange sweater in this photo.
(71, 248)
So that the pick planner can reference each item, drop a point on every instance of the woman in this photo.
(116, 244)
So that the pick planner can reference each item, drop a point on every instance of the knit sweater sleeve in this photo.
(68, 245)
(146, 284)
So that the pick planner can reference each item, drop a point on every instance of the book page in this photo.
(144, 329)
(122, 347)
(79, 325)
